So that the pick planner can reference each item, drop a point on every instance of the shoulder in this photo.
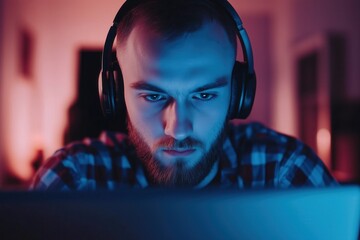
(281, 158)
(91, 151)
(255, 133)
(80, 163)
(258, 146)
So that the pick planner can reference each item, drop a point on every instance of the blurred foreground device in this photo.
(317, 213)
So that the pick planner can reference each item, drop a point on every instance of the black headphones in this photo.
(111, 87)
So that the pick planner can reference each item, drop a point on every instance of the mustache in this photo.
(169, 142)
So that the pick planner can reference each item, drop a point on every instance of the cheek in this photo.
(211, 119)
(206, 124)
(143, 118)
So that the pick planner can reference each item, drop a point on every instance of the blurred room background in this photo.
(307, 55)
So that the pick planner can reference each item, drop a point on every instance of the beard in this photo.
(177, 175)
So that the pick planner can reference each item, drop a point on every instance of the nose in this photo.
(177, 121)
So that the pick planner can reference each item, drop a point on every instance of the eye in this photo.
(154, 97)
(204, 96)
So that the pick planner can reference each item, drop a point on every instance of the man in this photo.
(178, 61)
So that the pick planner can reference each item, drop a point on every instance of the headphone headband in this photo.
(131, 4)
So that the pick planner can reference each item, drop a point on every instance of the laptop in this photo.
(306, 213)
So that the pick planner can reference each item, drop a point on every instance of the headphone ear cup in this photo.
(243, 91)
(111, 92)
(106, 92)
(119, 99)
(235, 90)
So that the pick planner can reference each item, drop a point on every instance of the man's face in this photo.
(177, 95)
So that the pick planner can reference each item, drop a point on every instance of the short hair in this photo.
(175, 18)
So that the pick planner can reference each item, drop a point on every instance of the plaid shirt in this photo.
(253, 157)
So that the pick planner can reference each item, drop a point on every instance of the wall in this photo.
(2, 161)
(335, 16)
(35, 109)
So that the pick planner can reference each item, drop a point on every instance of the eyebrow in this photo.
(220, 82)
(142, 85)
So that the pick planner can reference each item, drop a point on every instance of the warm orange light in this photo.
(323, 142)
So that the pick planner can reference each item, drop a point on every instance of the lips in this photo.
(179, 152)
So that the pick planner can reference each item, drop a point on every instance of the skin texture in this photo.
(177, 95)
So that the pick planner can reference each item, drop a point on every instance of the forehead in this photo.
(206, 52)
